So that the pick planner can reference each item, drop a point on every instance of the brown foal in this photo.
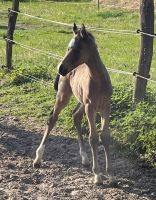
(83, 74)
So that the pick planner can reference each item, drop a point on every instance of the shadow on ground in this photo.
(20, 142)
(62, 172)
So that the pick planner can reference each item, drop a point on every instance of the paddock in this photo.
(27, 95)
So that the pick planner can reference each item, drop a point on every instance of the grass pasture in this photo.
(31, 101)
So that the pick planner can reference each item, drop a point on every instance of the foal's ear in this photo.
(83, 32)
(75, 29)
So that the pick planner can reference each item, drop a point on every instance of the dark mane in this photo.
(89, 37)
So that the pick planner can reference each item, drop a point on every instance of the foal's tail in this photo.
(56, 82)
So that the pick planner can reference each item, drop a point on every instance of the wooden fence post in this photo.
(98, 4)
(146, 51)
(10, 32)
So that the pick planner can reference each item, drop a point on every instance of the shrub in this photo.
(134, 125)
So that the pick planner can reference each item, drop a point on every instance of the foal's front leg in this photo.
(50, 124)
(78, 115)
(61, 101)
(93, 140)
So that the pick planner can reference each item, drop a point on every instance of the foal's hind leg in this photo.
(105, 138)
(62, 99)
(93, 139)
(78, 115)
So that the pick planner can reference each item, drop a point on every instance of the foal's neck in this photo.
(96, 67)
(98, 72)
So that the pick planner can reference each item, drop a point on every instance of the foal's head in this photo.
(79, 50)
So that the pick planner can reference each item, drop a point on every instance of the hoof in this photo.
(36, 165)
(98, 180)
(113, 182)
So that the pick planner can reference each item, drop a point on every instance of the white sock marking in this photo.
(85, 160)
(39, 153)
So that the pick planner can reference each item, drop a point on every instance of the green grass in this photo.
(24, 99)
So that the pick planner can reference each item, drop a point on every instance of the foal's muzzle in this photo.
(62, 70)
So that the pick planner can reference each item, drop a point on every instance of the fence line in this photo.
(37, 79)
(116, 31)
(92, 3)
(119, 71)
(143, 33)
(92, 28)
(33, 78)
(42, 19)
(113, 31)
(66, 2)
(128, 31)
(87, 3)
(124, 32)
(129, 73)
(148, 79)
(3, 11)
(71, 25)
(114, 6)
(58, 57)
(42, 52)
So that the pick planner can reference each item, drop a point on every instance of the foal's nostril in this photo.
(62, 70)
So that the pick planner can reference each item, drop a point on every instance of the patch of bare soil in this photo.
(62, 176)
(129, 4)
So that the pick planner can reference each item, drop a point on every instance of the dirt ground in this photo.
(129, 4)
(62, 176)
